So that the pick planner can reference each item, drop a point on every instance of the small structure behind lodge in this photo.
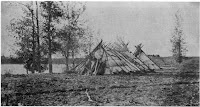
(110, 59)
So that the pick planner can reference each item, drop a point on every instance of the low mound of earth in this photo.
(154, 89)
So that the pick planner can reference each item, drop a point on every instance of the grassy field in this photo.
(167, 87)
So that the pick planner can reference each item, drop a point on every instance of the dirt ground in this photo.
(155, 89)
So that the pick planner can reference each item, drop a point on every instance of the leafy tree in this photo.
(72, 31)
(51, 13)
(177, 40)
(24, 29)
(87, 41)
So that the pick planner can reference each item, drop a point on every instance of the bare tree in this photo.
(177, 40)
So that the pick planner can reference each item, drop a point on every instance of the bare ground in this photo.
(155, 89)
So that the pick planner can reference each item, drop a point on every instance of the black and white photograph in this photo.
(99, 53)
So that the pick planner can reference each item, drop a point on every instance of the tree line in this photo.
(11, 60)
(47, 28)
(17, 60)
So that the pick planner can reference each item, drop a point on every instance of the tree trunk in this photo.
(38, 40)
(66, 63)
(49, 38)
(33, 42)
(179, 51)
(66, 54)
(50, 63)
(73, 61)
(27, 71)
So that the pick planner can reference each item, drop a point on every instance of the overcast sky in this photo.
(149, 23)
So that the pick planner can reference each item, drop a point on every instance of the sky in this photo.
(149, 23)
